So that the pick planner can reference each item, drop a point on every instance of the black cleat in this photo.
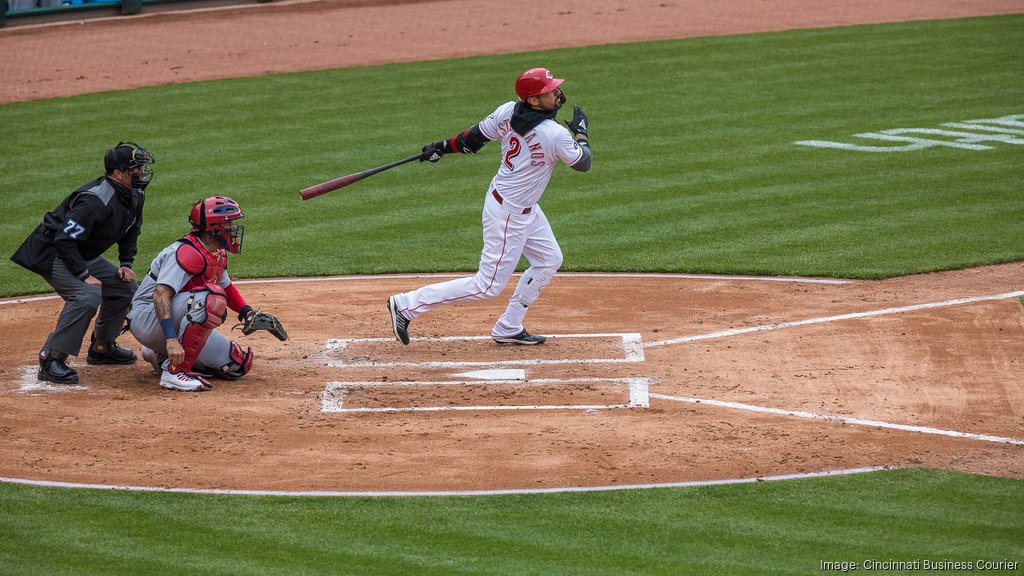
(399, 323)
(109, 353)
(523, 337)
(56, 371)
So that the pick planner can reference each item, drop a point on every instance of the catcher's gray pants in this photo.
(146, 329)
(81, 302)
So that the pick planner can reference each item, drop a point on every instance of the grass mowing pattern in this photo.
(695, 168)
(695, 171)
(763, 528)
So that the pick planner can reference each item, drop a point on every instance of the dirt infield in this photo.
(721, 377)
(953, 367)
(75, 57)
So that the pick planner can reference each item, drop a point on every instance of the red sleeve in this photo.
(235, 300)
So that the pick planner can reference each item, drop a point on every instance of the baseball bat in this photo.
(325, 187)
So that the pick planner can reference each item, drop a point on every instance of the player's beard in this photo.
(561, 101)
(556, 105)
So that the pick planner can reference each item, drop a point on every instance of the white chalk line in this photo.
(477, 363)
(342, 342)
(826, 319)
(31, 299)
(517, 374)
(841, 419)
(333, 400)
(581, 407)
(440, 493)
(632, 351)
(651, 276)
(566, 274)
(29, 382)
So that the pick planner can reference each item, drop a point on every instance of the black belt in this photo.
(502, 201)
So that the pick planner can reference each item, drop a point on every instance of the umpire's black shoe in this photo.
(56, 371)
(399, 323)
(110, 353)
(523, 337)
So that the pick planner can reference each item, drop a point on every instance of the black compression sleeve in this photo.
(468, 142)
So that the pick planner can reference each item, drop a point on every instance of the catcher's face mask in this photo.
(231, 236)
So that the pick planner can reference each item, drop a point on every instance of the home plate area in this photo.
(568, 372)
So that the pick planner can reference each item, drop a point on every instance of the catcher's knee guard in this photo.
(206, 311)
(239, 364)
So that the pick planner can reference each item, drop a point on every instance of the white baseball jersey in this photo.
(527, 161)
(513, 224)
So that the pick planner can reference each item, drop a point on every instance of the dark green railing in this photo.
(16, 9)
(13, 9)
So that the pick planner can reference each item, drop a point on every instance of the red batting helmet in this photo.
(215, 215)
(536, 81)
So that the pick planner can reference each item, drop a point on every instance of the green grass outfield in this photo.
(695, 166)
(762, 528)
(695, 170)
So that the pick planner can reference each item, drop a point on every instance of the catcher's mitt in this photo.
(253, 320)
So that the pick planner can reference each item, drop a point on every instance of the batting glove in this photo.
(432, 152)
(578, 124)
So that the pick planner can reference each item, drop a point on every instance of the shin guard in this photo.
(206, 312)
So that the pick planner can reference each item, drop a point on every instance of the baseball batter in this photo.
(186, 296)
(514, 225)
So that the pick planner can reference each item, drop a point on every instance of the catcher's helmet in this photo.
(536, 81)
(216, 215)
(129, 156)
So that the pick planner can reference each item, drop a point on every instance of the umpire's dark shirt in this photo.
(92, 219)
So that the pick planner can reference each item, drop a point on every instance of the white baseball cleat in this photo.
(153, 358)
(184, 381)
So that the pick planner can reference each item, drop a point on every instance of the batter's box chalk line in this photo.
(631, 344)
(334, 395)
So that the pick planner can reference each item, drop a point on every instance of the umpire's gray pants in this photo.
(81, 302)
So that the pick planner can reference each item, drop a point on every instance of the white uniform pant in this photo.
(507, 234)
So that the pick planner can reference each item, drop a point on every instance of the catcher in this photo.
(186, 296)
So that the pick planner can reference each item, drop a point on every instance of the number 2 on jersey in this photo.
(514, 147)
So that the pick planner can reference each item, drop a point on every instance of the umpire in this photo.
(67, 251)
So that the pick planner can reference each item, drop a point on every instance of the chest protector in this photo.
(207, 308)
(206, 268)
